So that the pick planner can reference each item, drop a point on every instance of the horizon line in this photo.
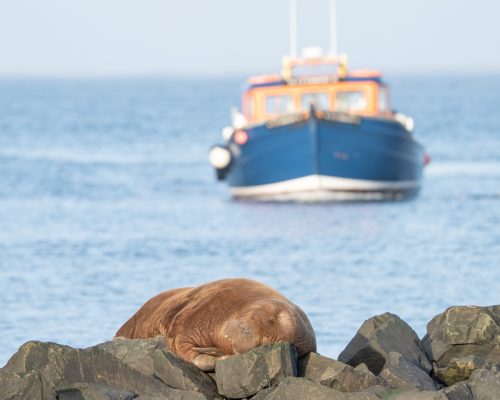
(226, 74)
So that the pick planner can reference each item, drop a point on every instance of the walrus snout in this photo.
(240, 335)
(264, 322)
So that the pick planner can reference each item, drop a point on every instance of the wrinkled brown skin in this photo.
(221, 318)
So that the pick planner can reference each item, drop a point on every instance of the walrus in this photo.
(221, 318)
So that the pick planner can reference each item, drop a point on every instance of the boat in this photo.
(318, 131)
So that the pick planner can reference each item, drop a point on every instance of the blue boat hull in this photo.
(326, 152)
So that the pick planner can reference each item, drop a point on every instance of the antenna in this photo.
(333, 28)
(293, 28)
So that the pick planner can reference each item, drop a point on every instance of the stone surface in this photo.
(264, 393)
(174, 395)
(335, 374)
(484, 385)
(61, 365)
(182, 375)
(463, 343)
(85, 391)
(300, 389)
(459, 391)
(246, 374)
(460, 368)
(38, 356)
(461, 326)
(380, 335)
(401, 374)
(463, 339)
(25, 386)
(416, 395)
(382, 392)
(137, 354)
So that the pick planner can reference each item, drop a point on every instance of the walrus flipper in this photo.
(206, 362)
(211, 351)
(206, 359)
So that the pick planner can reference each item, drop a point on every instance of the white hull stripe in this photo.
(323, 183)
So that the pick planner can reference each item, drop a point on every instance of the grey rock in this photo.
(264, 393)
(463, 339)
(461, 325)
(48, 359)
(182, 375)
(85, 391)
(382, 392)
(460, 368)
(362, 368)
(399, 373)
(415, 395)
(459, 391)
(335, 374)
(380, 335)
(246, 374)
(61, 365)
(385, 392)
(25, 386)
(174, 395)
(484, 385)
(136, 353)
(299, 389)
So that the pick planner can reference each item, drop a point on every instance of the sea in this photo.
(107, 198)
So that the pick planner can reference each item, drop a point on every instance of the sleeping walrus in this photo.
(221, 318)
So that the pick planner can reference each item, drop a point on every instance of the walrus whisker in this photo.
(211, 351)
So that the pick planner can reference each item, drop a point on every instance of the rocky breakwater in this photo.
(458, 359)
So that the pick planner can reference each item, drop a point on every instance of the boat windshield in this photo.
(351, 101)
(320, 100)
(279, 104)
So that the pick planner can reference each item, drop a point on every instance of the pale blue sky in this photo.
(127, 37)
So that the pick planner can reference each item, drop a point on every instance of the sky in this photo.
(220, 37)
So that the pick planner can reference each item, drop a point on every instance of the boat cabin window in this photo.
(279, 104)
(383, 100)
(352, 101)
(319, 99)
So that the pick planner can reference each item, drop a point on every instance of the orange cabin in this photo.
(358, 92)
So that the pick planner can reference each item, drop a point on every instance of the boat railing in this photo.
(318, 68)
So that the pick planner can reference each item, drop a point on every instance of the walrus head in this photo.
(260, 323)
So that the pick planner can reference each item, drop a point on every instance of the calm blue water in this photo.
(107, 198)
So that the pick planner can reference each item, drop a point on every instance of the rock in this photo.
(61, 365)
(459, 391)
(380, 335)
(335, 374)
(26, 386)
(484, 385)
(463, 339)
(182, 375)
(460, 368)
(136, 353)
(399, 373)
(175, 395)
(462, 326)
(85, 391)
(416, 395)
(363, 368)
(246, 374)
(264, 393)
(299, 389)
(47, 359)
(382, 392)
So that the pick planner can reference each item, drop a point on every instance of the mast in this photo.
(293, 28)
(333, 28)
